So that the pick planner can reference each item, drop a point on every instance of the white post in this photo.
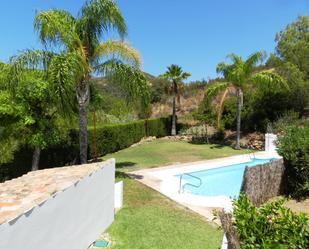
(119, 195)
(270, 142)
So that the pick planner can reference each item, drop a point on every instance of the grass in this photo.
(164, 152)
(150, 221)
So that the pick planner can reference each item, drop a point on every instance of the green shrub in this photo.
(294, 148)
(287, 119)
(159, 127)
(228, 120)
(271, 226)
(109, 138)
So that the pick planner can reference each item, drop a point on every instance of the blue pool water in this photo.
(220, 181)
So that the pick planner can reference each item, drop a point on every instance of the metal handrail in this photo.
(188, 184)
(251, 155)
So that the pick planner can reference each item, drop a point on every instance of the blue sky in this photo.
(196, 34)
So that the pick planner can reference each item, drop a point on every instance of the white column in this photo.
(119, 195)
(270, 142)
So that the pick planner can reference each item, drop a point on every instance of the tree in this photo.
(28, 113)
(7, 116)
(175, 74)
(293, 44)
(82, 36)
(237, 75)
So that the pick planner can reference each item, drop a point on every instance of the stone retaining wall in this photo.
(262, 182)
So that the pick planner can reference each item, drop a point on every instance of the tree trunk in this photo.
(83, 95)
(229, 230)
(206, 131)
(94, 137)
(173, 132)
(239, 105)
(36, 159)
(83, 136)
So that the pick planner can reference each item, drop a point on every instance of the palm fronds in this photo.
(118, 50)
(270, 80)
(100, 16)
(175, 73)
(56, 26)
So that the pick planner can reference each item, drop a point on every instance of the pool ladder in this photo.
(182, 188)
(251, 155)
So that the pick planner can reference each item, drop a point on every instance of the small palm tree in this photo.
(81, 37)
(237, 75)
(175, 74)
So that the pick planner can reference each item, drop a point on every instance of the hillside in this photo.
(191, 97)
(186, 105)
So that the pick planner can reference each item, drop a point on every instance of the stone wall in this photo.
(262, 182)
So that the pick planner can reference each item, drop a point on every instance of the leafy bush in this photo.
(287, 119)
(294, 148)
(110, 138)
(271, 226)
(159, 127)
(229, 114)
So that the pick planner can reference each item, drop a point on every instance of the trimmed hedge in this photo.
(159, 127)
(110, 138)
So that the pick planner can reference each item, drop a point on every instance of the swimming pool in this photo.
(223, 181)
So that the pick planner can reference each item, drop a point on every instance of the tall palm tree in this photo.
(237, 75)
(175, 74)
(82, 36)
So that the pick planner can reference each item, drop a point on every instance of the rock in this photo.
(143, 141)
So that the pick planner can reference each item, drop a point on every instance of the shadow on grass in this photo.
(125, 165)
(120, 174)
(217, 146)
(123, 175)
(213, 146)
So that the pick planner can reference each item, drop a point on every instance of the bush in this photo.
(270, 226)
(294, 148)
(287, 119)
(110, 138)
(159, 127)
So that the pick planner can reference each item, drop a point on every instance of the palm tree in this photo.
(175, 74)
(81, 36)
(237, 75)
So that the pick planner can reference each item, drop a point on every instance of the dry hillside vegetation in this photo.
(186, 105)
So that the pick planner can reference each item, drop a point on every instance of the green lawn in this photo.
(162, 152)
(150, 221)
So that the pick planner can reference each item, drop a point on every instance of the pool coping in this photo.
(163, 179)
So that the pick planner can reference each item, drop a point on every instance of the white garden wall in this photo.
(71, 219)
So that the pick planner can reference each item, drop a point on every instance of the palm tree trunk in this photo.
(36, 159)
(239, 105)
(83, 136)
(173, 133)
(82, 93)
(94, 137)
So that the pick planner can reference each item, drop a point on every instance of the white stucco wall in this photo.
(71, 219)
(119, 195)
(270, 142)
